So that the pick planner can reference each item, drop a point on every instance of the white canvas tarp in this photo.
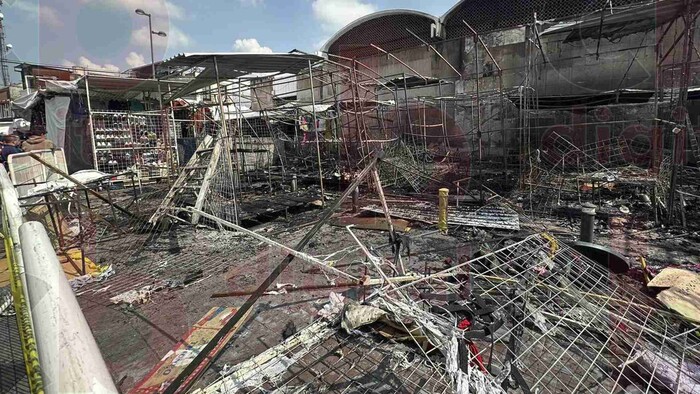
(22, 106)
(56, 110)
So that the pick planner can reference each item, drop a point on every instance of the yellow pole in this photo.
(645, 270)
(442, 209)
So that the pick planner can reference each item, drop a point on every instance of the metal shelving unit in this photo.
(138, 142)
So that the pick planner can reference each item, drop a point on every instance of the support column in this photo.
(442, 209)
(318, 146)
(91, 127)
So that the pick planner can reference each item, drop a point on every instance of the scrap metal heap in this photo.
(560, 179)
(532, 316)
(526, 313)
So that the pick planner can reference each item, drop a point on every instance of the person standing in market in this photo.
(10, 146)
(37, 141)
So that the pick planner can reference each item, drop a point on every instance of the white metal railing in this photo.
(11, 221)
(60, 353)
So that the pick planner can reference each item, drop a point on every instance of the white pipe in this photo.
(70, 359)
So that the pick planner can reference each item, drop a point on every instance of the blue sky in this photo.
(107, 34)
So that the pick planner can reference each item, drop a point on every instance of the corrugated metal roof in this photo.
(233, 65)
(285, 109)
(125, 88)
(243, 63)
(614, 26)
(488, 15)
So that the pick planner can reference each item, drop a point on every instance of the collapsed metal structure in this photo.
(532, 316)
(528, 315)
(341, 109)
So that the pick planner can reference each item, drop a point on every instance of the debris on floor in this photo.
(182, 355)
(371, 223)
(139, 296)
(681, 291)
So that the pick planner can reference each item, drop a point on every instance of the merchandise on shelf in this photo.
(131, 142)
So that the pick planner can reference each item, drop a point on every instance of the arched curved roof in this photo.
(489, 15)
(386, 29)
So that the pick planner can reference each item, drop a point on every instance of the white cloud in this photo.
(157, 8)
(23, 5)
(43, 13)
(49, 16)
(141, 37)
(334, 14)
(92, 66)
(134, 59)
(175, 12)
(251, 3)
(250, 45)
(176, 38)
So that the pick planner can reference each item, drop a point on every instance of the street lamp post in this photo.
(150, 36)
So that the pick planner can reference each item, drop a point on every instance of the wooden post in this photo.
(387, 215)
(355, 197)
(442, 209)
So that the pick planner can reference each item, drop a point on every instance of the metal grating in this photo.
(388, 32)
(532, 316)
(133, 141)
(485, 15)
(13, 374)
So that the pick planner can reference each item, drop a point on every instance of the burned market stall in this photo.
(480, 202)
